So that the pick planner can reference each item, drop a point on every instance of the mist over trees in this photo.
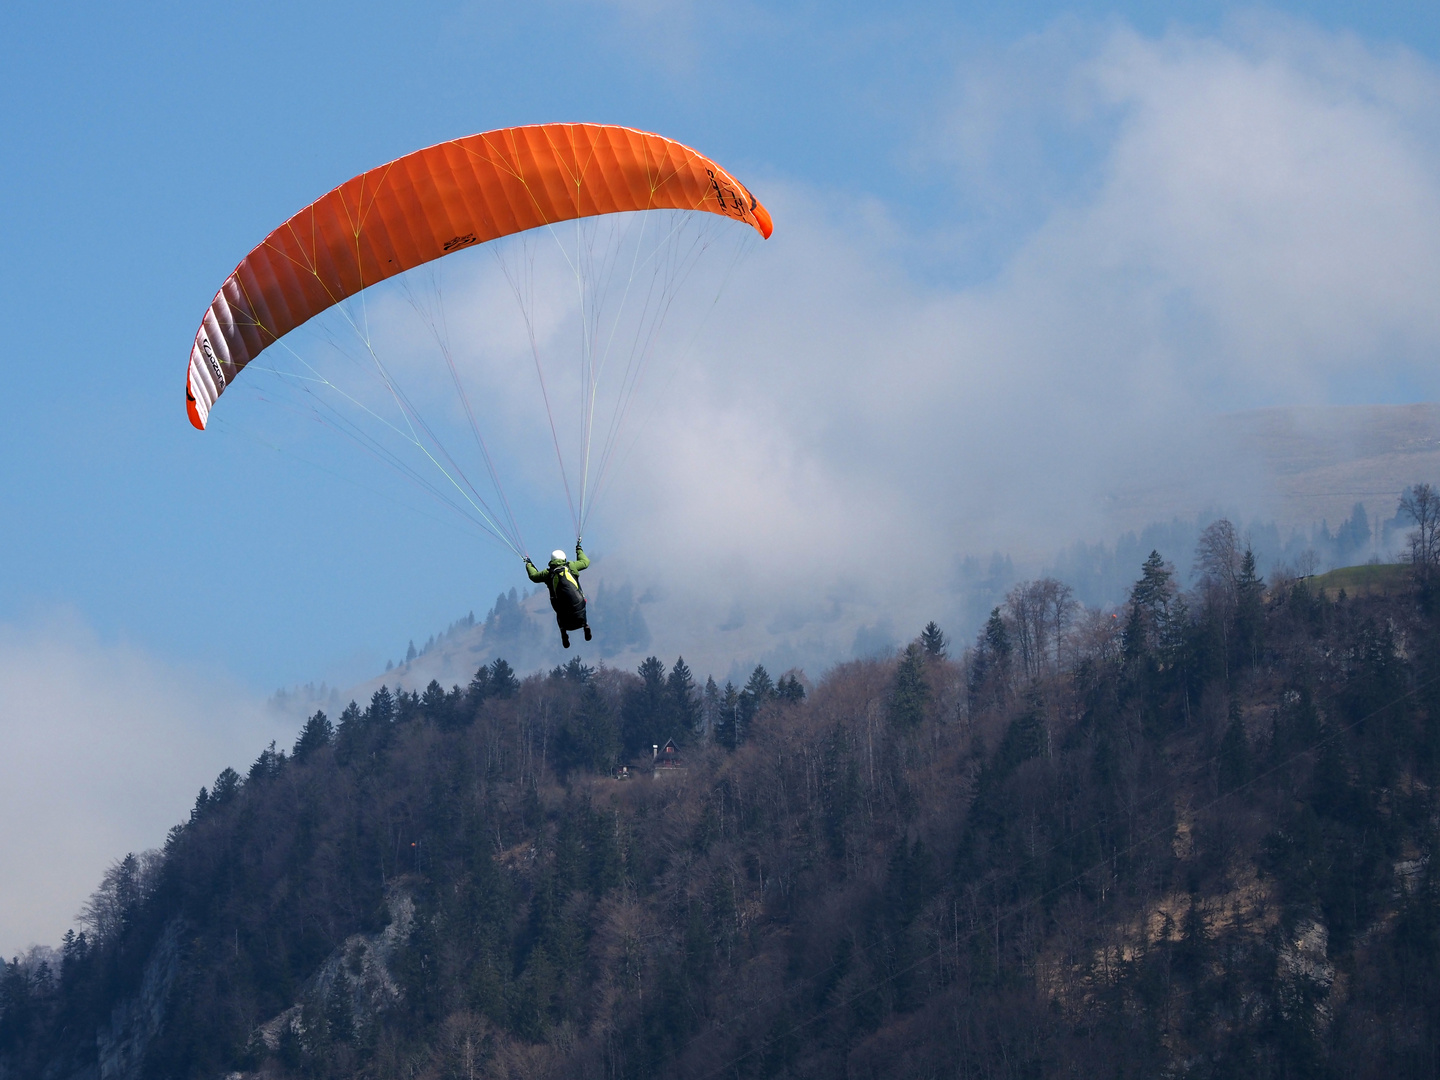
(1188, 835)
(1101, 574)
(520, 629)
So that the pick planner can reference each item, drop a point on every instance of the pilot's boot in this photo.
(587, 631)
(564, 639)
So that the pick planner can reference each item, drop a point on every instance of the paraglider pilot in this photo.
(566, 596)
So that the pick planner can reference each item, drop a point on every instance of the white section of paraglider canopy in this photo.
(197, 388)
(207, 355)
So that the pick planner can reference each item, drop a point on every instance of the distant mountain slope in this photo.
(1322, 460)
(1296, 466)
(1197, 840)
(520, 629)
(1279, 473)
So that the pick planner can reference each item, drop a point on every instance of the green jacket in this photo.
(542, 577)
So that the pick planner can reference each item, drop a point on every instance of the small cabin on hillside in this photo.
(666, 759)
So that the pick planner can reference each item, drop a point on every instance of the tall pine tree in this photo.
(317, 732)
(710, 706)
(684, 708)
(727, 718)
(758, 692)
(1249, 614)
(933, 640)
(647, 714)
(503, 682)
(910, 692)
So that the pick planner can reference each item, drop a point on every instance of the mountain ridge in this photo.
(1194, 840)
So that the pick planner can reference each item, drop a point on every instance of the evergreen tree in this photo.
(710, 705)
(479, 688)
(1249, 613)
(348, 733)
(381, 710)
(1133, 639)
(410, 653)
(997, 640)
(589, 738)
(16, 1007)
(317, 733)
(503, 682)
(989, 678)
(1152, 617)
(227, 784)
(647, 718)
(407, 707)
(1154, 589)
(1354, 535)
(760, 687)
(789, 689)
(268, 765)
(910, 691)
(759, 691)
(977, 675)
(684, 708)
(365, 734)
(73, 948)
(933, 639)
(727, 718)
(575, 671)
(435, 705)
(652, 674)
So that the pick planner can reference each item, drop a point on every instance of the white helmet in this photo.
(557, 555)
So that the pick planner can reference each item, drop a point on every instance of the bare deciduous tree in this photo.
(1041, 612)
(1421, 504)
(126, 884)
(1217, 561)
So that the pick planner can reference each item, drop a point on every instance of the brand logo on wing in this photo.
(214, 363)
(736, 205)
(459, 242)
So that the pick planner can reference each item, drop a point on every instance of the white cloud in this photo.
(1288, 189)
(105, 748)
(1176, 227)
(1258, 223)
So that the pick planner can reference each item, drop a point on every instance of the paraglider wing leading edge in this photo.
(428, 204)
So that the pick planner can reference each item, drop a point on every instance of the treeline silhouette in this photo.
(1189, 837)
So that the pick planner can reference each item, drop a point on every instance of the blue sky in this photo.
(939, 172)
(146, 152)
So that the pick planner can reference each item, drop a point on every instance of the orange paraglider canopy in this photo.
(436, 201)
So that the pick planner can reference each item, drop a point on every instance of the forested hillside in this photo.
(1190, 837)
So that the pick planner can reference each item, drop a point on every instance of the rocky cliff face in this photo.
(136, 1021)
(352, 987)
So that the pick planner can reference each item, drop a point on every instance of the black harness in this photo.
(566, 597)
